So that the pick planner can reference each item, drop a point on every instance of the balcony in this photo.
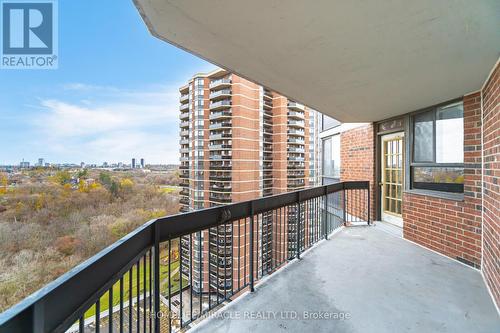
(221, 166)
(220, 125)
(216, 157)
(220, 115)
(296, 174)
(360, 272)
(345, 275)
(225, 82)
(296, 123)
(184, 141)
(296, 115)
(225, 189)
(184, 116)
(297, 141)
(296, 106)
(184, 124)
(296, 158)
(220, 93)
(226, 103)
(226, 176)
(297, 132)
(220, 198)
(184, 107)
(184, 132)
(219, 136)
(220, 147)
(295, 149)
(184, 98)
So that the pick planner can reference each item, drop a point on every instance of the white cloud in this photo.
(111, 124)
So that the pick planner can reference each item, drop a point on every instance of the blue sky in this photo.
(113, 97)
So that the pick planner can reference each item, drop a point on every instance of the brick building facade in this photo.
(457, 215)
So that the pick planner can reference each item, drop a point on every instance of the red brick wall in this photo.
(491, 156)
(357, 158)
(452, 227)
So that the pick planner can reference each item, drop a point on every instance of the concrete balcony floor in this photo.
(384, 283)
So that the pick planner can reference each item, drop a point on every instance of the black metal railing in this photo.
(171, 271)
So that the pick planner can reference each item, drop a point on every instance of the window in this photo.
(438, 149)
(331, 157)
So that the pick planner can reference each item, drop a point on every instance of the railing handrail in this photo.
(52, 309)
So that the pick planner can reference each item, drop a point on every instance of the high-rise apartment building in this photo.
(240, 141)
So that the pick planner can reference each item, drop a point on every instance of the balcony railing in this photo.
(295, 114)
(295, 105)
(221, 114)
(220, 93)
(215, 126)
(220, 104)
(127, 286)
(220, 82)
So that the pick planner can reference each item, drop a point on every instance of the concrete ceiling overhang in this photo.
(354, 60)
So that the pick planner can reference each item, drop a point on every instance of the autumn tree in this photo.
(62, 177)
(3, 183)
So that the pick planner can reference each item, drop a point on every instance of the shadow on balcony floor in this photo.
(383, 283)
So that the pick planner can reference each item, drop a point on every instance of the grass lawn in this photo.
(174, 285)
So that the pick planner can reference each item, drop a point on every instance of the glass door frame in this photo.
(387, 215)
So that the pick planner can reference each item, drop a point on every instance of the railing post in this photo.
(298, 225)
(368, 203)
(344, 205)
(251, 248)
(156, 271)
(325, 214)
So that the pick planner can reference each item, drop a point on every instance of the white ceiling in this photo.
(354, 60)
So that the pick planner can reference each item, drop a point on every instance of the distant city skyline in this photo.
(140, 162)
(102, 103)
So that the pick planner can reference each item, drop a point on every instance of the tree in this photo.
(3, 183)
(82, 174)
(114, 188)
(62, 177)
(105, 179)
(126, 183)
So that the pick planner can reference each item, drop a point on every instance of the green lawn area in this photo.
(174, 285)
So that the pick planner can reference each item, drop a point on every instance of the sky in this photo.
(114, 96)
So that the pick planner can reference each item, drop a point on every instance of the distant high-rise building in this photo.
(24, 164)
(40, 162)
(142, 163)
(240, 141)
(133, 163)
